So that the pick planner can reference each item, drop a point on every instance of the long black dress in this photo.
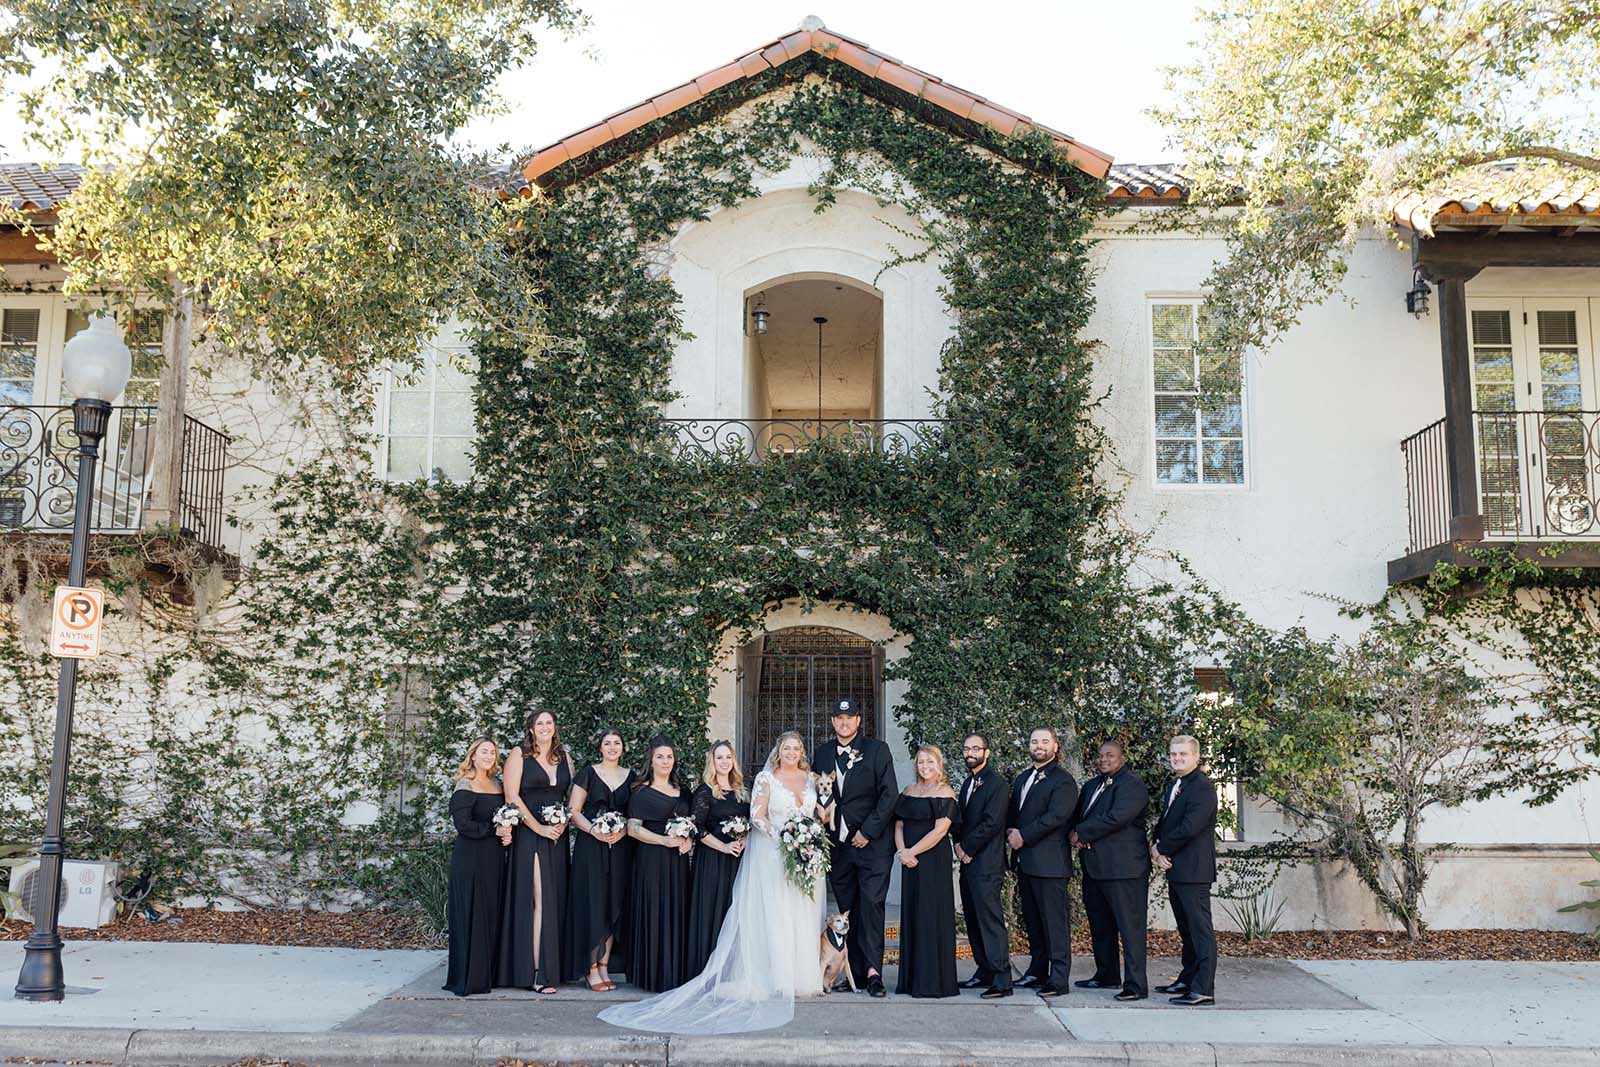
(598, 891)
(477, 887)
(713, 873)
(927, 902)
(657, 925)
(517, 935)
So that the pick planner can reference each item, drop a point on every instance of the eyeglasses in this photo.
(974, 748)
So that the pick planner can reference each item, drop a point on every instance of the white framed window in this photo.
(425, 418)
(1198, 409)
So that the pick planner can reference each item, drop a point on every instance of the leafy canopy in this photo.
(291, 161)
(1316, 116)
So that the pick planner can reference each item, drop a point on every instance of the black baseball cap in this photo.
(846, 706)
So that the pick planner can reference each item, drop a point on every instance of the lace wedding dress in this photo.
(766, 953)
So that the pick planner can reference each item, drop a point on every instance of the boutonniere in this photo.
(851, 758)
(977, 782)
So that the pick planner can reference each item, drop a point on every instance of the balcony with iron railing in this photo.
(759, 439)
(38, 473)
(1536, 476)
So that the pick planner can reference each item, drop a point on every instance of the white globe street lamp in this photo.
(96, 368)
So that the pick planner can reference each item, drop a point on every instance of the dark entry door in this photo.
(793, 678)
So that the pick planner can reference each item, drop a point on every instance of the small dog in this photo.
(834, 957)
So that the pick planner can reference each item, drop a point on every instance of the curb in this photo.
(202, 1048)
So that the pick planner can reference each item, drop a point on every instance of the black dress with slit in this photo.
(477, 887)
(598, 891)
(927, 902)
(657, 922)
(531, 852)
(713, 875)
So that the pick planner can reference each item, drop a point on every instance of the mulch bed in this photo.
(388, 929)
(321, 929)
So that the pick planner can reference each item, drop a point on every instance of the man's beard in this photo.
(1038, 758)
(973, 762)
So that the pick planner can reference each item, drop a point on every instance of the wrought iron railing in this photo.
(1538, 476)
(39, 472)
(768, 438)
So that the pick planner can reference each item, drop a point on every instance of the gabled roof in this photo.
(30, 187)
(811, 37)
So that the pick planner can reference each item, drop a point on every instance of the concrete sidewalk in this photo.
(195, 1005)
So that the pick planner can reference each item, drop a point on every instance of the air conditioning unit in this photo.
(88, 892)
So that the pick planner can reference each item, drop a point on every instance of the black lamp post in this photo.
(96, 365)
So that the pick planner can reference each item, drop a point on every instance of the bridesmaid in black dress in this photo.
(598, 891)
(923, 815)
(538, 775)
(658, 911)
(720, 796)
(477, 871)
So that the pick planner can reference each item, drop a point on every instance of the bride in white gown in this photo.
(767, 950)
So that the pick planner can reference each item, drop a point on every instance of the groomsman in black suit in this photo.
(981, 850)
(1042, 800)
(864, 792)
(1108, 832)
(1185, 847)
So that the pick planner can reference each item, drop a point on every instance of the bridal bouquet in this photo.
(507, 815)
(553, 814)
(680, 826)
(734, 829)
(805, 851)
(608, 822)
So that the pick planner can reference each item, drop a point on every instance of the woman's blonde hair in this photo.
(938, 758)
(735, 778)
(468, 771)
(773, 762)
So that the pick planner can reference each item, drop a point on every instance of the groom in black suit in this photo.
(864, 792)
(981, 851)
(1042, 801)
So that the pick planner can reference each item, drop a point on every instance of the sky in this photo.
(1088, 69)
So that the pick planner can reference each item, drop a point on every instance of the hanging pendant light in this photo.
(760, 315)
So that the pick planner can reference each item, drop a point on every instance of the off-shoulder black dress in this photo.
(598, 891)
(927, 902)
(477, 888)
(714, 873)
(657, 922)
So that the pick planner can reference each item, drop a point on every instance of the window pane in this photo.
(1492, 328)
(1221, 417)
(408, 458)
(1172, 324)
(1558, 328)
(451, 458)
(1175, 416)
(408, 412)
(1224, 462)
(1496, 397)
(1491, 364)
(1558, 364)
(19, 354)
(452, 414)
(457, 371)
(1175, 462)
(1563, 435)
(1563, 397)
(1174, 370)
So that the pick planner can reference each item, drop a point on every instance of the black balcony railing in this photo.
(38, 472)
(771, 438)
(1538, 476)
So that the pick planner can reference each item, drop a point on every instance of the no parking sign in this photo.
(75, 622)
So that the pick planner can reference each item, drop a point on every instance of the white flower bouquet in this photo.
(680, 826)
(608, 822)
(804, 844)
(507, 815)
(735, 829)
(553, 815)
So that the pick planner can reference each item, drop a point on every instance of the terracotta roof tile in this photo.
(1147, 181)
(31, 187)
(814, 37)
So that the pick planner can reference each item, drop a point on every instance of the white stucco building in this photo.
(1292, 497)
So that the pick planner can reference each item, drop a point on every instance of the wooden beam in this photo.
(1458, 256)
(19, 247)
(1419, 565)
(1459, 451)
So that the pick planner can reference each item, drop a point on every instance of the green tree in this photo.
(290, 163)
(1315, 117)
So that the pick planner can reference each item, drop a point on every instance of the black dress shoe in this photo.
(1191, 999)
(972, 983)
(1128, 994)
(1051, 992)
(875, 986)
(1173, 989)
(1094, 983)
(995, 994)
(1029, 982)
